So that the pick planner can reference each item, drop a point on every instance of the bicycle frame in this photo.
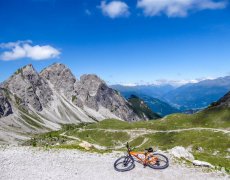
(146, 159)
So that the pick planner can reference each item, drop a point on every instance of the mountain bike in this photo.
(147, 158)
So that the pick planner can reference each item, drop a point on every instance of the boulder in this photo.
(181, 152)
(86, 145)
(202, 164)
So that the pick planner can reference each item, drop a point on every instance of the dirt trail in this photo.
(161, 131)
(19, 163)
(136, 133)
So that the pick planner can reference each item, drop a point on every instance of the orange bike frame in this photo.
(145, 160)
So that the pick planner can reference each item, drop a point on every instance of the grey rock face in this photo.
(90, 91)
(61, 78)
(30, 88)
(5, 106)
(93, 92)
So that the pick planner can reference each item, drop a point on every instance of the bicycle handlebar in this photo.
(130, 148)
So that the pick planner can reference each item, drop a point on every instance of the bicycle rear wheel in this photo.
(124, 163)
(158, 161)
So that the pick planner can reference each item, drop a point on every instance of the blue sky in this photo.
(138, 41)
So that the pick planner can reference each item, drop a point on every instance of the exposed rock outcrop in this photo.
(223, 102)
(90, 91)
(28, 87)
(5, 106)
(61, 78)
(94, 93)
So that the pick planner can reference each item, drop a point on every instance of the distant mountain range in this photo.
(198, 95)
(186, 98)
(156, 91)
(160, 107)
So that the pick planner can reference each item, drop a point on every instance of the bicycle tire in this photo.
(161, 159)
(126, 162)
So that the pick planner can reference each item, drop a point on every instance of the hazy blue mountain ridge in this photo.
(168, 99)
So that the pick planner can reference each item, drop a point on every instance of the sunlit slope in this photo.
(206, 134)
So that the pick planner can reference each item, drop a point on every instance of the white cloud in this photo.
(25, 49)
(114, 9)
(178, 8)
(129, 84)
(176, 83)
(161, 82)
(181, 82)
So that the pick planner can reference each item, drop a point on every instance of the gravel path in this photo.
(19, 163)
(146, 131)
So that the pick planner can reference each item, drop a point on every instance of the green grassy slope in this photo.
(112, 134)
(210, 118)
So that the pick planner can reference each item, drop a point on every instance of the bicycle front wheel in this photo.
(124, 163)
(158, 161)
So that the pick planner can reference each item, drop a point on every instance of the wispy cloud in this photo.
(177, 82)
(180, 82)
(160, 82)
(178, 8)
(114, 9)
(26, 49)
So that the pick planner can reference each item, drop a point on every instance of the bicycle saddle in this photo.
(149, 149)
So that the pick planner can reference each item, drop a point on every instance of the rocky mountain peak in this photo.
(57, 86)
(92, 82)
(61, 78)
(91, 77)
(29, 67)
(30, 74)
(54, 69)
(29, 87)
(93, 92)
(26, 73)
